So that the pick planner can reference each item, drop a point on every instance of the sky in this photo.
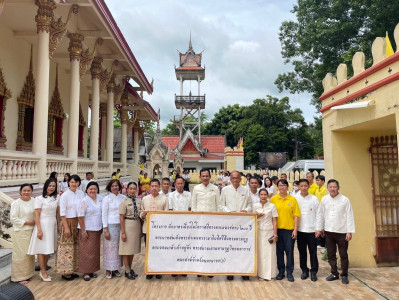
(239, 40)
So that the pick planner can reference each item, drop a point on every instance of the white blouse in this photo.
(91, 212)
(69, 203)
(22, 211)
(47, 205)
(110, 210)
(270, 211)
(64, 186)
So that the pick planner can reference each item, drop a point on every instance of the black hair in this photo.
(178, 178)
(271, 182)
(118, 170)
(273, 178)
(282, 181)
(303, 180)
(166, 179)
(93, 183)
(205, 170)
(76, 178)
(52, 175)
(111, 182)
(333, 181)
(46, 185)
(69, 176)
(296, 182)
(113, 174)
(155, 180)
(253, 177)
(130, 183)
(89, 173)
(25, 185)
(263, 190)
(310, 174)
(321, 177)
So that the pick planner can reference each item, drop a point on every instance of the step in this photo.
(5, 257)
(5, 274)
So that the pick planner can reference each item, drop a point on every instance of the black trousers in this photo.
(307, 241)
(334, 239)
(285, 244)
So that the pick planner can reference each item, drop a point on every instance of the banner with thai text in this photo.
(201, 243)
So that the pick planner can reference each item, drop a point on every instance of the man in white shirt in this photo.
(180, 200)
(335, 221)
(84, 183)
(309, 205)
(235, 198)
(253, 188)
(165, 185)
(186, 177)
(205, 196)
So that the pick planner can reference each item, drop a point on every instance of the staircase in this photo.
(5, 266)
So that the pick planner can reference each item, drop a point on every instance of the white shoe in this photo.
(48, 279)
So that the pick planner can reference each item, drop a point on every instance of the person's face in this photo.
(283, 176)
(205, 178)
(253, 184)
(235, 179)
(319, 182)
(282, 188)
(73, 185)
(145, 175)
(154, 188)
(333, 189)
(92, 191)
(66, 177)
(268, 182)
(303, 187)
(165, 185)
(50, 188)
(115, 188)
(56, 175)
(263, 195)
(309, 177)
(88, 176)
(179, 184)
(26, 192)
(132, 190)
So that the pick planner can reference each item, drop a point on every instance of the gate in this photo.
(385, 187)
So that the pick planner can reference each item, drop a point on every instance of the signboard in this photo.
(272, 160)
(201, 243)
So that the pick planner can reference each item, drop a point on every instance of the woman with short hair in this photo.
(44, 236)
(112, 228)
(64, 184)
(23, 220)
(90, 229)
(67, 251)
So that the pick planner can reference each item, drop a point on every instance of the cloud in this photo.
(242, 52)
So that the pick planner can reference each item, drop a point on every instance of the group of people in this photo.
(72, 225)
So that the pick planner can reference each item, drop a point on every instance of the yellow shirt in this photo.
(287, 209)
(320, 192)
(118, 176)
(313, 188)
(145, 183)
(243, 180)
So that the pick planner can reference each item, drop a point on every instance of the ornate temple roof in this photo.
(190, 64)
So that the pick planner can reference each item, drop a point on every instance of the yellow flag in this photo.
(389, 50)
(242, 142)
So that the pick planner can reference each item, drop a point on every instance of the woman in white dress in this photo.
(112, 228)
(64, 184)
(269, 186)
(267, 236)
(23, 219)
(44, 236)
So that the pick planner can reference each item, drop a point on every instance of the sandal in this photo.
(116, 273)
(109, 275)
(86, 277)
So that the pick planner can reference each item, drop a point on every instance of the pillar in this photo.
(110, 123)
(181, 85)
(75, 50)
(199, 84)
(124, 120)
(103, 124)
(40, 121)
(136, 143)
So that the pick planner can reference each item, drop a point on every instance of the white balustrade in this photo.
(17, 168)
(103, 169)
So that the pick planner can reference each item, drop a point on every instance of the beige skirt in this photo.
(267, 259)
(133, 238)
(23, 264)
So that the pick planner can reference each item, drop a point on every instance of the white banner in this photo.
(201, 243)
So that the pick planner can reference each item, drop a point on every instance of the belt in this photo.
(126, 218)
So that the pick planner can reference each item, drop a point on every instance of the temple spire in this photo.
(190, 46)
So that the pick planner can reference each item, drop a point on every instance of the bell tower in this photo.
(190, 105)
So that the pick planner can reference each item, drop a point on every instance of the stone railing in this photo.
(103, 169)
(85, 166)
(17, 168)
(61, 165)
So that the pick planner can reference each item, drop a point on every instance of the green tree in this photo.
(173, 129)
(327, 33)
(117, 119)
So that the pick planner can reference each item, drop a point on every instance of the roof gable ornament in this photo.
(188, 135)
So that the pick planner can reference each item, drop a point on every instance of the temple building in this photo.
(64, 67)
(360, 133)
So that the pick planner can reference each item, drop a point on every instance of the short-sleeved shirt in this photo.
(312, 189)
(287, 209)
(149, 203)
(320, 192)
(69, 203)
(47, 205)
(91, 211)
(127, 208)
(270, 211)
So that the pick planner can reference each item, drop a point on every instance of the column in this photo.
(40, 121)
(124, 120)
(103, 124)
(181, 85)
(199, 83)
(95, 111)
(75, 50)
(136, 143)
(110, 123)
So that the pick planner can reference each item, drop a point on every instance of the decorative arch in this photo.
(26, 104)
(55, 121)
(4, 95)
(82, 125)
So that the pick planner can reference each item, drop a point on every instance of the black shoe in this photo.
(70, 278)
(210, 276)
(230, 277)
(37, 268)
(174, 275)
(184, 275)
(332, 277)
(86, 277)
(48, 268)
(245, 277)
(199, 275)
(130, 276)
(304, 275)
(290, 278)
(313, 276)
(134, 274)
(158, 276)
(74, 275)
(93, 275)
(148, 277)
(345, 280)
(280, 276)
